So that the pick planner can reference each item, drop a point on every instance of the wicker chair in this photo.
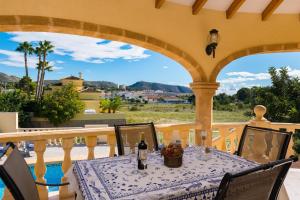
(263, 145)
(17, 177)
(128, 136)
(262, 182)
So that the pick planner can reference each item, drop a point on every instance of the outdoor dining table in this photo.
(119, 178)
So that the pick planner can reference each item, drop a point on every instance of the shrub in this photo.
(26, 85)
(15, 102)
(110, 104)
(133, 108)
(62, 105)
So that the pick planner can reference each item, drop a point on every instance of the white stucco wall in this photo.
(8, 122)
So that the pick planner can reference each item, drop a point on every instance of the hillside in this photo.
(142, 85)
(7, 78)
(101, 84)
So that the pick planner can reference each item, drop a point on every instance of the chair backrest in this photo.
(262, 182)
(17, 177)
(129, 135)
(263, 145)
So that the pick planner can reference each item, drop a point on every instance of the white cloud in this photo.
(86, 49)
(255, 76)
(16, 59)
(293, 72)
(165, 67)
(237, 80)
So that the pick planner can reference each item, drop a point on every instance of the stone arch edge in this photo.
(59, 25)
(262, 49)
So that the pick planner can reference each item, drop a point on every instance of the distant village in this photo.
(91, 95)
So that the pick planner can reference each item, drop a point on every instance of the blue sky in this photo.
(123, 63)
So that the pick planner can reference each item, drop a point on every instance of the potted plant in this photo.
(172, 155)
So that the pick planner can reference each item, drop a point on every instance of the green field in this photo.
(175, 113)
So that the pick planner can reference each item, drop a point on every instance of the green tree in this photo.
(46, 47)
(26, 85)
(115, 104)
(105, 105)
(282, 98)
(110, 105)
(15, 102)
(27, 49)
(191, 99)
(243, 95)
(62, 105)
(38, 53)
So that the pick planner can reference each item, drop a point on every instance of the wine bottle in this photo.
(142, 153)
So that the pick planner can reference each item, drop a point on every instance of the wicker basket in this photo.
(173, 162)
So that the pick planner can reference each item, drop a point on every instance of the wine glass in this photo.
(203, 148)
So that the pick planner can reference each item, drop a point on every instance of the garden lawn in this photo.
(176, 113)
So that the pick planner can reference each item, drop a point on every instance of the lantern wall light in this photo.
(213, 40)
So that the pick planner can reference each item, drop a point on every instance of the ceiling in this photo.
(250, 6)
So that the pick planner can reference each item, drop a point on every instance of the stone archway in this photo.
(60, 25)
(271, 48)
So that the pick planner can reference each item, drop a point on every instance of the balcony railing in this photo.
(225, 137)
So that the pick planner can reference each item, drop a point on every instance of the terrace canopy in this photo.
(176, 28)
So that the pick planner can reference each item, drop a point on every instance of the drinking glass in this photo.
(204, 151)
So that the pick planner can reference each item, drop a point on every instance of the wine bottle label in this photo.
(143, 154)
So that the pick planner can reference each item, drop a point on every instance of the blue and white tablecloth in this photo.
(118, 177)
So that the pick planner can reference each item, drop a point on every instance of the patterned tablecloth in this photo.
(118, 178)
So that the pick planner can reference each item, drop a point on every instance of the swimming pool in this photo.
(53, 175)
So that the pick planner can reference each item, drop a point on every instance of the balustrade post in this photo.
(111, 140)
(91, 142)
(40, 167)
(67, 144)
(222, 132)
(262, 141)
(184, 134)
(204, 92)
(259, 119)
(167, 136)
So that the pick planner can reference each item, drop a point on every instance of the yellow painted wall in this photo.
(173, 24)
(78, 84)
(8, 122)
(90, 95)
(91, 104)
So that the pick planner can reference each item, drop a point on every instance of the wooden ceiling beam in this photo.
(198, 5)
(159, 3)
(233, 8)
(273, 5)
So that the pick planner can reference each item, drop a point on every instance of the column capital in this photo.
(204, 86)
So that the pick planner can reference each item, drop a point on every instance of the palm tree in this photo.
(27, 49)
(48, 68)
(38, 52)
(46, 48)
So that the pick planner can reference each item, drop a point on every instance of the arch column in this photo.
(204, 92)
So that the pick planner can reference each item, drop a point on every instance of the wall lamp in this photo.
(213, 39)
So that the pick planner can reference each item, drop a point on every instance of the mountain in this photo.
(101, 84)
(51, 82)
(97, 84)
(7, 78)
(142, 85)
